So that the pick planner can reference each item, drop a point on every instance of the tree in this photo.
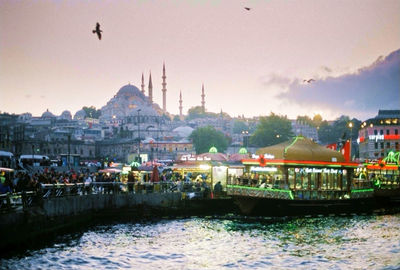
(239, 126)
(317, 120)
(195, 112)
(176, 118)
(339, 130)
(91, 112)
(204, 138)
(306, 120)
(271, 130)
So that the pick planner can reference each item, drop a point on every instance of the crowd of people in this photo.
(24, 181)
(164, 181)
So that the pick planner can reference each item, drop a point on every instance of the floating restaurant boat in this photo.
(301, 177)
(385, 174)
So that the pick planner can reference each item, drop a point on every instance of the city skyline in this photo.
(251, 62)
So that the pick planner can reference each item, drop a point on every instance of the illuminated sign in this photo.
(264, 169)
(194, 158)
(267, 156)
(313, 170)
(376, 137)
(204, 167)
(379, 137)
(323, 170)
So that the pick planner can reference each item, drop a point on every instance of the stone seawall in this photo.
(26, 227)
(75, 205)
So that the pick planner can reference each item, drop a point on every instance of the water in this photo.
(357, 242)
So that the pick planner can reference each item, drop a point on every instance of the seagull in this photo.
(247, 8)
(97, 31)
(309, 81)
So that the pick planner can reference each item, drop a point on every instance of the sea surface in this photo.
(348, 242)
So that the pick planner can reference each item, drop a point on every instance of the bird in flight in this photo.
(97, 31)
(309, 80)
(247, 8)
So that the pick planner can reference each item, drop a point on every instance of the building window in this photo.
(381, 132)
(382, 154)
(396, 131)
(376, 145)
(387, 131)
(375, 132)
(81, 151)
(382, 145)
(396, 145)
(90, 152)
(388, 145)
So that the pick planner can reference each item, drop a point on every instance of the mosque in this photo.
(131, 104)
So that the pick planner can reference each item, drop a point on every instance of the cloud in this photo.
(360, 94)
(276, 80)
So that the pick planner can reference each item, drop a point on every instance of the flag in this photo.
(346, 151)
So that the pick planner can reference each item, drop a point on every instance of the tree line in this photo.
(274, 129)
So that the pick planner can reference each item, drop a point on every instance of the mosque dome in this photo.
(129, 101)
(129, 90)
(66, 115)
(25, 117)
(183, 131)
(80, 115)
(47, 115)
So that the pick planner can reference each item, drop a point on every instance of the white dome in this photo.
(47, 114)
(183, 131)
(80, 115)
(127, 102)
(66, 115)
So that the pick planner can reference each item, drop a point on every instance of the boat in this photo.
(301, 177)
(385, 175)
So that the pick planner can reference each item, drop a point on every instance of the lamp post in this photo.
(351, 134)
(138, 122)
(33, 154)
(69, 151)
(245, 134)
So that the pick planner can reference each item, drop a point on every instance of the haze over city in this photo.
(251, 62)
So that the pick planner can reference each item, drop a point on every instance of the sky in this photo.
(251, 62)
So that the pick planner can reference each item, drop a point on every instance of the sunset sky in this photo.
(251, 62)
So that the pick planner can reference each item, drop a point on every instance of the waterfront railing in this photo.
(26, 199)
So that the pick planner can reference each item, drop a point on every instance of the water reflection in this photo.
(360, 242)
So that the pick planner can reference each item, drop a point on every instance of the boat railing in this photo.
(386, 183)
(358, 189)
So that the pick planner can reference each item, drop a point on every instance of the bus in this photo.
(7, 160)
(34, 160)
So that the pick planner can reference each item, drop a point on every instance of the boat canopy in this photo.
(302, 149)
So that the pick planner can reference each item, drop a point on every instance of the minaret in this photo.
(143, 85)
(203, 102)
(180, 106)
(164, 90)
(150, 90)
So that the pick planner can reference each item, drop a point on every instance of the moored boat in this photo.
(301, 177)
(385, 175)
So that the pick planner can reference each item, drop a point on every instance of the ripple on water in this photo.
(204, 243)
